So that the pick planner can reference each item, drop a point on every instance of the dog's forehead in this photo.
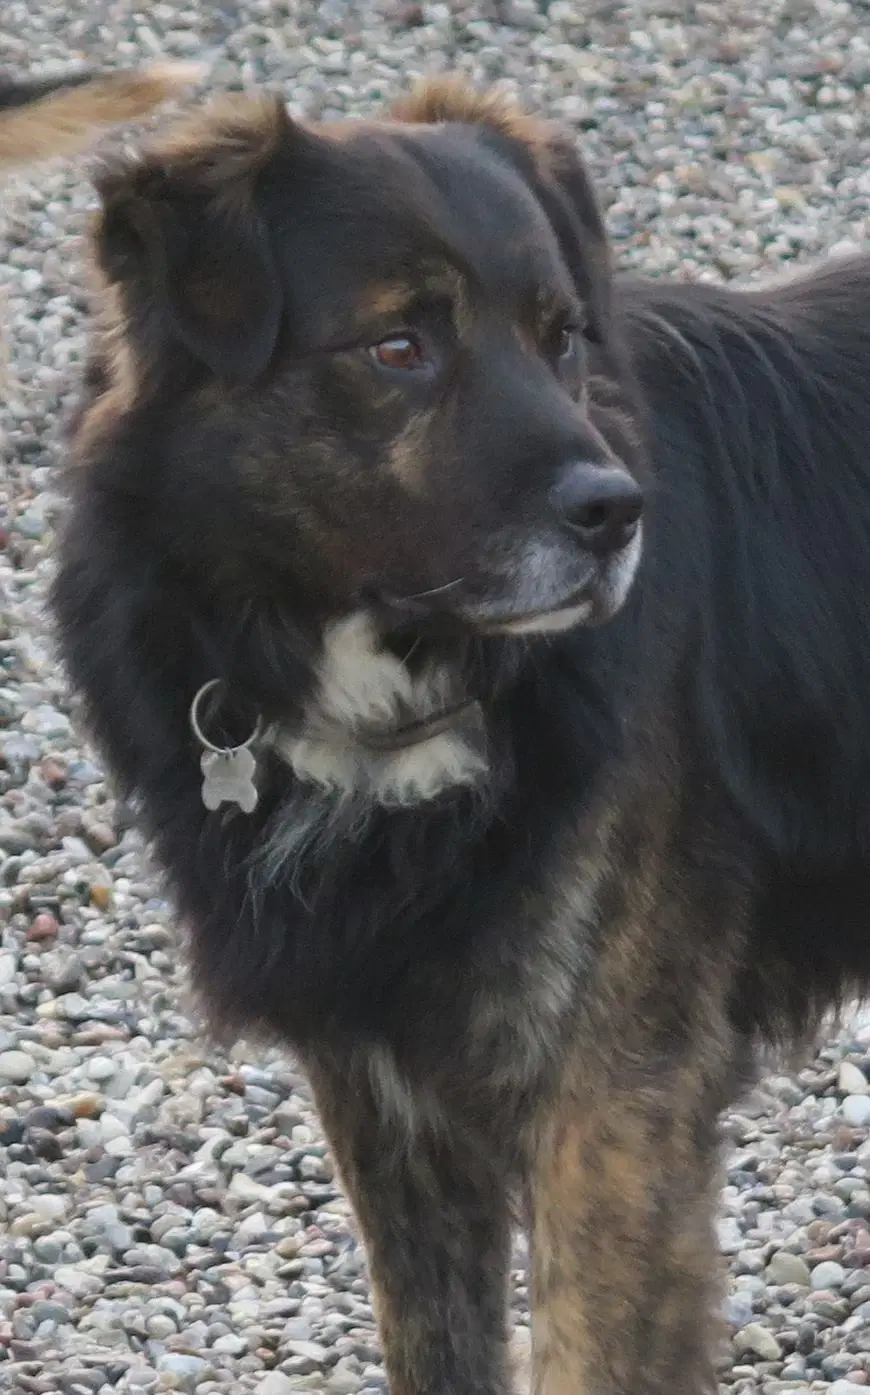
(400, 206)
(482, 203)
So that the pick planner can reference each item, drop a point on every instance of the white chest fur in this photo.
(362, 686)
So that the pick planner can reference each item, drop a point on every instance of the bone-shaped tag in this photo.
(229, 779)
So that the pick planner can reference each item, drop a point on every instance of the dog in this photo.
(41, 118)
(482, 636)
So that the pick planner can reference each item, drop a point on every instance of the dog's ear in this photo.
(183, 239)
(550, 163)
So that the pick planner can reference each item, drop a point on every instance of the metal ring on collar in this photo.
(197, 730)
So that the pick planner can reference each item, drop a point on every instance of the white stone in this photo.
(828, 1274)
(16, 1066)
(112, 1127)
(851, 1080)
(758, 1338)
(856, 1110)
(50, 1207)
(100, 1068)
(231, 1345)
(276, 1383)
(77, 1281)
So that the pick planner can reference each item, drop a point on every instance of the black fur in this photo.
(750, 617)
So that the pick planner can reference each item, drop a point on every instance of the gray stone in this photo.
(45, 1311)
(310, 1351)
(190, 1370)
(738, 1311)
(731, 1237)
(160, 1326)
(79, 1282)
(757, 1338)
(786, 1268)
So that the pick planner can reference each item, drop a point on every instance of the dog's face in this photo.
(381, 348)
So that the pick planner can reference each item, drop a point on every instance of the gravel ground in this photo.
(168, 1217)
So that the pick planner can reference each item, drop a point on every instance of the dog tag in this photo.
(229, 779)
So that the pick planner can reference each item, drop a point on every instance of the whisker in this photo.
(433, 591)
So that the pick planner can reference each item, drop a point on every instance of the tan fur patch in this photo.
(395, 299)
(406, 455)
(227, 141)
(389, 298)
(118, 363)
(63, 123)
(450, 98)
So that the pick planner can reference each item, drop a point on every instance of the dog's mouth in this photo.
(495, 618)
(547, 596)
(545, 591)
(576, 609)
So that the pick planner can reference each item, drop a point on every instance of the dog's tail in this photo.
(44, 117)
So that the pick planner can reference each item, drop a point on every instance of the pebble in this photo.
(311, 1351)
(43, 927)
(856, 1110)
(79, 1282)
(757, 1338)
(275, 1383)
(737, 1310)
(233, 1346)
(16, 1066)
(190, 1370)
(786, 1268)
(851, 1080)
(100, 1068)
(826, 1275)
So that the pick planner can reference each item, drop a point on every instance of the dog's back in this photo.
(45, 117)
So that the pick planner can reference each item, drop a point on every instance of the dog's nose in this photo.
(601, 504)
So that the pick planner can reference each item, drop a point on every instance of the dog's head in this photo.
(385, 354)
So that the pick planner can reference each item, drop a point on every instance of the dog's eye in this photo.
(401, 353)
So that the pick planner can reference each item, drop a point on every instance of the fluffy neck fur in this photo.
(362, 687)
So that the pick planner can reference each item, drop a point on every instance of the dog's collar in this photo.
(229, 771)
(414, 733)
(400, 737)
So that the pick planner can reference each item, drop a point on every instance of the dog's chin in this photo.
(601, 596)
(541, 622)
(578, 612)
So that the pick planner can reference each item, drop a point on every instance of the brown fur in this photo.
(44, 119)
(450, 99)
(63, 122)
(221, 147)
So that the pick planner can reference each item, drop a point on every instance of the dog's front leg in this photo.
(433, 1212)
(623, 1188)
